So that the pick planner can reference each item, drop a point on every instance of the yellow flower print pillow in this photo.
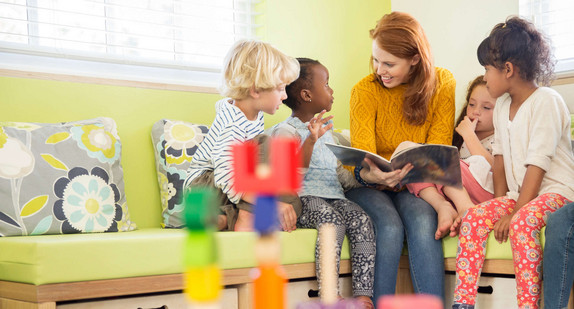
(61, 178)
(174, 143)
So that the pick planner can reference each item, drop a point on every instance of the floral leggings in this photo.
(524, 236)
(349, 218)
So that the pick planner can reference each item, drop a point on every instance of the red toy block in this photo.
(282, 176)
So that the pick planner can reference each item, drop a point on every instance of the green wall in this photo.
(135, 111)
(335, 32)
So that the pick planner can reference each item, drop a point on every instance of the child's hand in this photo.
(502, 228)
(317, 126)
(466, 127)
(287, 216)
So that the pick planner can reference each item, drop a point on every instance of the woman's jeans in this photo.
(558, 262)
(396, 215)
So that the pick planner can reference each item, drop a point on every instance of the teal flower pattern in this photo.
(88, 202)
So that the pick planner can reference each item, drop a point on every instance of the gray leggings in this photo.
(349, 218)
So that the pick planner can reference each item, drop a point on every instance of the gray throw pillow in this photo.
(174, 143)
(61, 178)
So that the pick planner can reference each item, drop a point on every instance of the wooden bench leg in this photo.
(245, 296)
(6, 303)
(404, 282)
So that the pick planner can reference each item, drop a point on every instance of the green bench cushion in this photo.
(81, 257)
(146, 252)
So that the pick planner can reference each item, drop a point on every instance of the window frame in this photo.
(534, 13)
(88, 68)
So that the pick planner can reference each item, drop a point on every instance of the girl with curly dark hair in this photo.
(533, 169)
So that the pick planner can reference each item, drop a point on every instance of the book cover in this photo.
(438, 164)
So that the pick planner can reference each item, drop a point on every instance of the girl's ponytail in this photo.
(519, 42)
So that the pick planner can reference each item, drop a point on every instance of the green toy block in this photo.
(200, 249)
(200, 209)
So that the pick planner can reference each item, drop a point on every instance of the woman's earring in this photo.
(309, 100)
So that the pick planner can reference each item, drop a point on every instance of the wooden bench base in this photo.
(15, 295)
(27, 296)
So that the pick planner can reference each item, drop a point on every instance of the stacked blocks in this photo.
(267, 182)
(203, 277)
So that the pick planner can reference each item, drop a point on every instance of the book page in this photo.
(354, 157)
(404, 146)
(438, 164)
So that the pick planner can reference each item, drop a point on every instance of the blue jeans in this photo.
(396, 215)
(558, 262)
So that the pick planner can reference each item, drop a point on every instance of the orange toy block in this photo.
(269, 287)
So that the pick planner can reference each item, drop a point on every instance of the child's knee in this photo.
(524, 221)
(243, 205)
(470, 216)
(364, 220)
(330, 215)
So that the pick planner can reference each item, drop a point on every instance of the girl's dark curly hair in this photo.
(457, 140)
(519, 42)
(305, 81)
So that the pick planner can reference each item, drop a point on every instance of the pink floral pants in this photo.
(524, 237)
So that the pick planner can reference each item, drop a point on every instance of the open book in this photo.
(432, 163)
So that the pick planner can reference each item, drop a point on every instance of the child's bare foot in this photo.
(446, 216)
(455, 227)
(221, 222)
(244, 221)
(365, 302)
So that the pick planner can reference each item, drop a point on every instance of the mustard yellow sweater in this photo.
(377, 122)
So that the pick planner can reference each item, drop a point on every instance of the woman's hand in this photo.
(317, 126)
(466, 127)
(502, 228)
(287, 217)
(373, 174)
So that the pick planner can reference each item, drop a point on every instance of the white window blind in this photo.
(166, 41)
(556, 19)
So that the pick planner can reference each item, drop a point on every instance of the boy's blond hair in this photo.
(255, 64)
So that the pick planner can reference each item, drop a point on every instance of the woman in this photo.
(405, 99)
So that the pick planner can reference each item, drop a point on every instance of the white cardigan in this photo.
(538, 135)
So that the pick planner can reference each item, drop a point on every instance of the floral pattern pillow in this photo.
(174, 144)
(61, 178)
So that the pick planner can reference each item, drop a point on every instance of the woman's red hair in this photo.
(401, 35)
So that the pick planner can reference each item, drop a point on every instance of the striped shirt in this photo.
(214, 153)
